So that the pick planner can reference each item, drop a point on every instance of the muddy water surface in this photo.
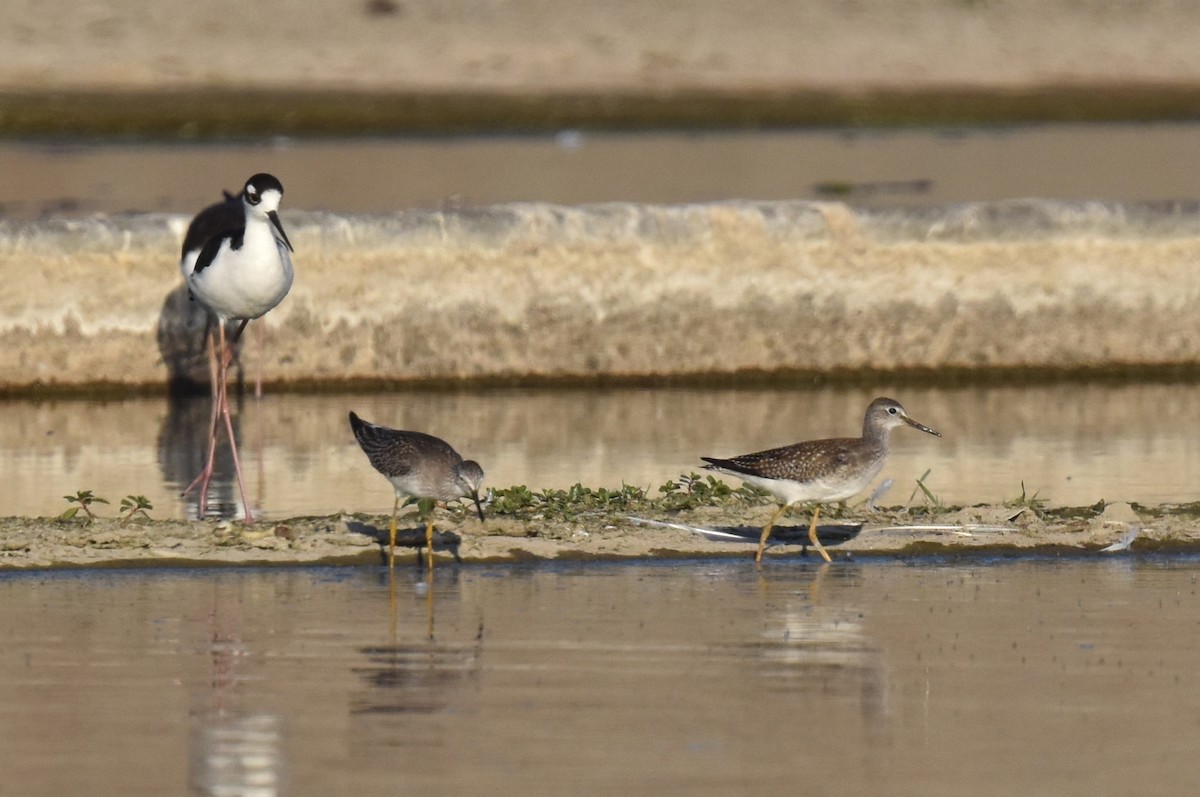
(1071, 444)
(1035, 676)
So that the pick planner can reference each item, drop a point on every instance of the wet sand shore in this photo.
(42, 543)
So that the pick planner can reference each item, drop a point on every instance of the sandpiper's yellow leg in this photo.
(812, 535)
(429, 542)
(766, 532)
(392, 535)
(429, 602)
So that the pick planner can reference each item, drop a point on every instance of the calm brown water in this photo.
(1071, 444)
(1071, 677)
(898, 167)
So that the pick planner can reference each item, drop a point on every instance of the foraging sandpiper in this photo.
(419, 466)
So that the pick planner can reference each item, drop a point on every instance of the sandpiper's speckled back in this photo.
(417, 464)
(839, 459)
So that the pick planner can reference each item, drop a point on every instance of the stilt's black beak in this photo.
(478, 505)
(274, 217)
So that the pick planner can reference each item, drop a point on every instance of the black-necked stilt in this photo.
(239, 273)
(821, 471)
(419, 466)
(208, 223)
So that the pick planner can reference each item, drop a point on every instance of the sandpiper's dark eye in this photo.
(252, 195)
(892, 410)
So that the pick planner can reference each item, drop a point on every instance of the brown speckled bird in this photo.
(824, 471)
(419, 466)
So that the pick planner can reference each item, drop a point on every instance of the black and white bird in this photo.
(242, 269)
(208, 223)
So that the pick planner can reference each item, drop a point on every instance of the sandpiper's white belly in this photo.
(246, 282)
(822, 490)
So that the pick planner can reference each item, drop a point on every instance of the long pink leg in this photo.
(224, 358)
(205, 475)
(237, 462)
(260, 336)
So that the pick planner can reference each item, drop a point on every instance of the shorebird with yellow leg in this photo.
(820, 471)
(419, 466)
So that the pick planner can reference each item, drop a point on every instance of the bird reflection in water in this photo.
(232, 749)
(813, 645)
(183, 445)
(414, 673)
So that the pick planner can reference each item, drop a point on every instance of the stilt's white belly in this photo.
(246, 282)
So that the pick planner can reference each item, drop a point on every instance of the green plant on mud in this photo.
(83, 499)
(685, 492)
(1034, 503)
(424, 506)
(577, 498)
(574, 500)
(933, 504)
(512, 500)
(133, 505)
(694, 490)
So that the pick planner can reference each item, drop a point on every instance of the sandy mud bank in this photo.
(40, 543)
